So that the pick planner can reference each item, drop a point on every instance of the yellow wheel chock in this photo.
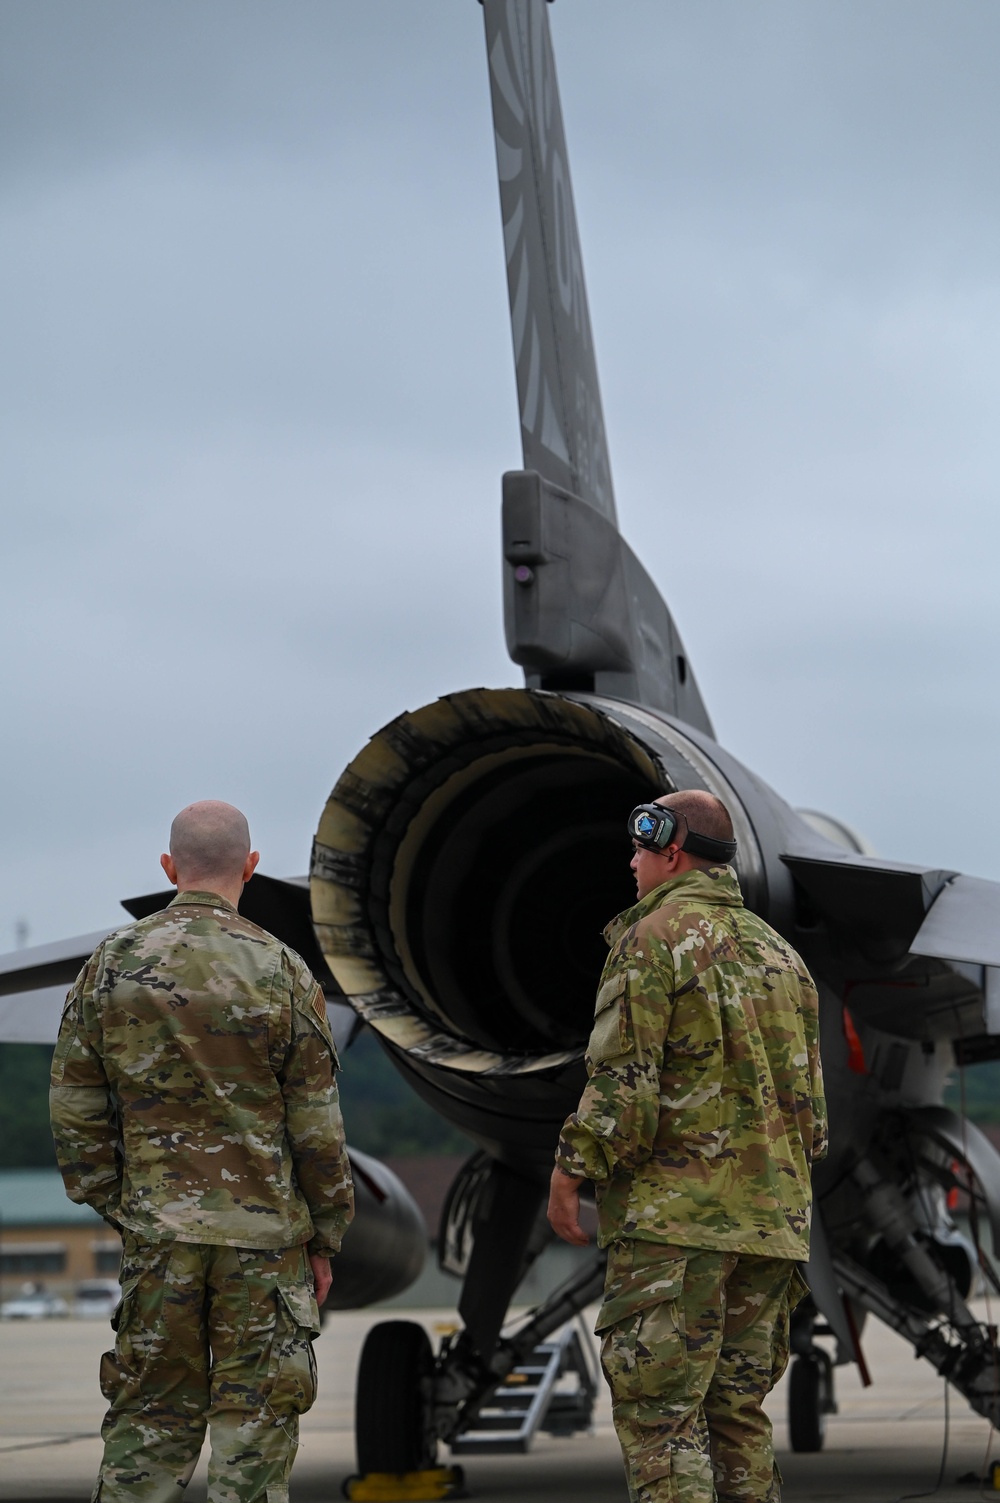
(400, 1487)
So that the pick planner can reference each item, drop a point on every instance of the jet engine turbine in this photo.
(464, 867)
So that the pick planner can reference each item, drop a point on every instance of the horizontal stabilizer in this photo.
(963, 923)
(278, 904)
(54, 965)
(891, 909)
(33, 987)
(880, 907)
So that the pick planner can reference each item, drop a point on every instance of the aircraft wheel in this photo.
(810, 1400)
(392, 1410)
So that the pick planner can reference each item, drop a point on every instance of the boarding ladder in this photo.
(552, 1390)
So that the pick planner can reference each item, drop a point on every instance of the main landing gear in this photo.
(810, 1381)
(542, 1377)
(392, 1426)
(810, 1400)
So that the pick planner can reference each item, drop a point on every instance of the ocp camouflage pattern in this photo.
(207, 1335)
(193, 1093)
(704, 1106)
(692, 1341)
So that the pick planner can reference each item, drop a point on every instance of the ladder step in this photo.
(485, 1444)
(523, 1403)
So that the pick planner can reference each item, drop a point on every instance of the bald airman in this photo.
(194, 1106)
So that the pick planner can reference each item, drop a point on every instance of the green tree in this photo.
(382, 1114)
(25, 1139)
(978, 1087)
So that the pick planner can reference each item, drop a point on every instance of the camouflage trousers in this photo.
(207, 1336)
(692, 1343)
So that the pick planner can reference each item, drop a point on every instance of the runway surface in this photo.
(884, 1443)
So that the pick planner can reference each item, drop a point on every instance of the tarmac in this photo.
(885, 1442)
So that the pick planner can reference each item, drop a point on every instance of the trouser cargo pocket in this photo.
(641, 1323)
(119, 1370)
(292, 1369)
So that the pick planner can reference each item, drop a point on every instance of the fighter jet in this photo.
(469, 855)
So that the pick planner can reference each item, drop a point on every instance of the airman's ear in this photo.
(167, 862)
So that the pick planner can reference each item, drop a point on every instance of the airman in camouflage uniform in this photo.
(194, 1106)
(703, 1112)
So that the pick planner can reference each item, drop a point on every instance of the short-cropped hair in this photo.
(210, 839)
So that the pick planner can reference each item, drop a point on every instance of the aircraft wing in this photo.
(34, 981)
(33, 986)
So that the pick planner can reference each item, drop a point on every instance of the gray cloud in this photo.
(258, 395)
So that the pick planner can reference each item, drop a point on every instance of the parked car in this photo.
(33, 1303)
(96, 1299)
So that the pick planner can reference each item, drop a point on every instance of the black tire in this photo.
(392, 1409)
(807, 1404)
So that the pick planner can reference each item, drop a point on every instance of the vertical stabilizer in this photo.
(562, 422)
(580, 611)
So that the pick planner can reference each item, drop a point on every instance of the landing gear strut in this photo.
(407, 1402)
(810, 1382)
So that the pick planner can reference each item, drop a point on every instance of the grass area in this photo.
(381, 1114)
(981, 1089)
(25, 1140)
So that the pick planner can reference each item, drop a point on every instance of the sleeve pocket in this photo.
(611, 1036)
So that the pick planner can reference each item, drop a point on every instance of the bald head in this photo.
(209, 847)
(703, 813)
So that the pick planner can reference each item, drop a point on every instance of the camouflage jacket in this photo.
(704, 1107)
(193, 1094)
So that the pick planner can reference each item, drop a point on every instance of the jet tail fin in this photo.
(562, 420)
(580, 611)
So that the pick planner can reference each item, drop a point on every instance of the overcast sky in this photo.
(258, 395)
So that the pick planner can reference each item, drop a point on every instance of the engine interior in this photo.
(494, 852)
(498, 900)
